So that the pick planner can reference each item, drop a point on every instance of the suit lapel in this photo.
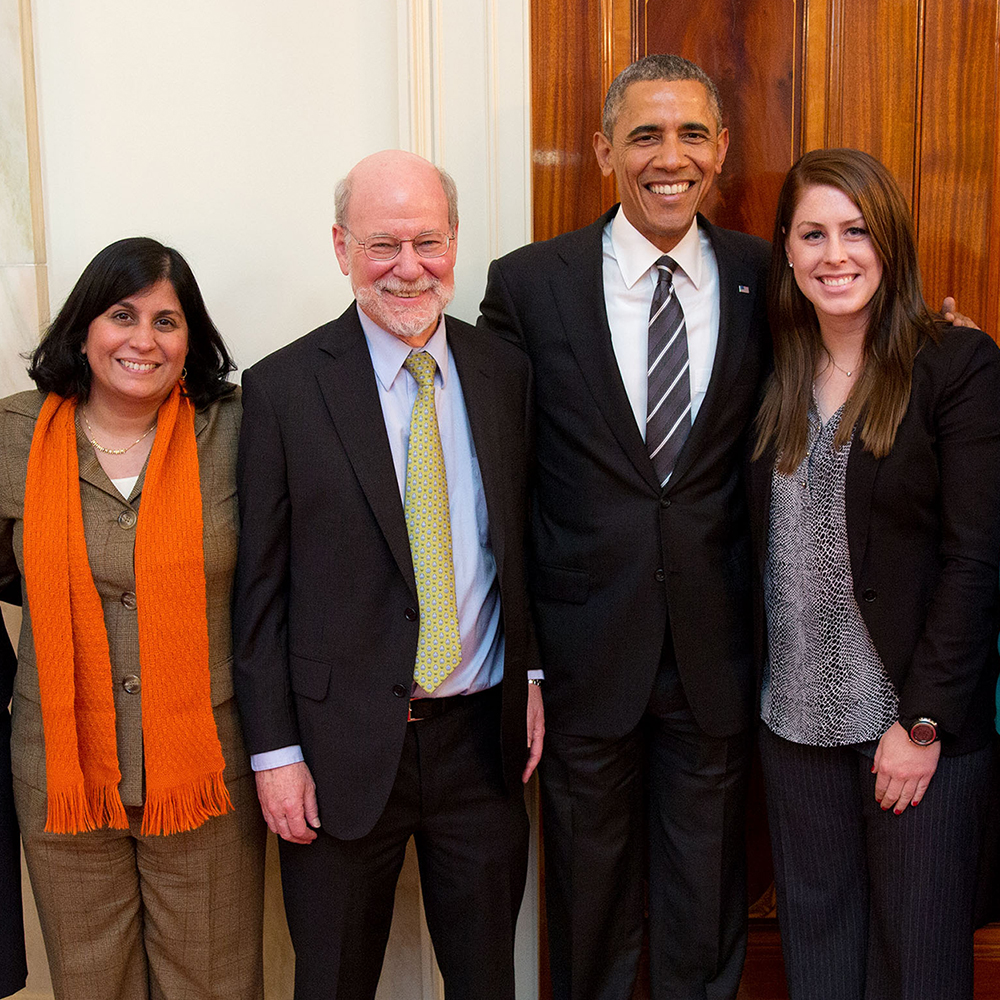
(480, 390)
(736, 309)
(579, 293)
(347, 381)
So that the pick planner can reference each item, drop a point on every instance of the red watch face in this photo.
(923, 733)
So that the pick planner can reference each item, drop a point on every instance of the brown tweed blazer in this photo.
(109, 525)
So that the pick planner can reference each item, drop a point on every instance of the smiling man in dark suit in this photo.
(382, 638)
(648, 338)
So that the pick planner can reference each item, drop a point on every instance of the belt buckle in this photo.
(410, 717)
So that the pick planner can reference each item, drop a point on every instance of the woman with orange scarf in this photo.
(137, 808)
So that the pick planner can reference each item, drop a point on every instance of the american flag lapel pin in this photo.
(745, 289)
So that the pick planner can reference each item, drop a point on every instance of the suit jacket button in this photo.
(399, 691)
(869, 595)
(131, 683)
(127, 519)
(410, 614)
(660, 576)
(664, 501)
(129, 601)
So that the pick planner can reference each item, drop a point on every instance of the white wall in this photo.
(221, 127)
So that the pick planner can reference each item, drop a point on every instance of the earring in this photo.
(790, 264)
(184, 373)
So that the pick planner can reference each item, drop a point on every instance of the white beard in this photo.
(399, 319)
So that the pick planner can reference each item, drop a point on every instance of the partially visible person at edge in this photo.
(13, 967)
(118, 515)
(877, 541)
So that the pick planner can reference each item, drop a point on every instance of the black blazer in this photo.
(13, 969)
(923, 529)
(616, 567)
(325, 633)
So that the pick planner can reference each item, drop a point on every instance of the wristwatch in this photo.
(922, 731)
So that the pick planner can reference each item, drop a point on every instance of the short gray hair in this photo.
(342, 196)
(656, 67)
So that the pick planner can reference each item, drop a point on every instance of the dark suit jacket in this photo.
(613, 557)
(13, 969)
(324, 607)
(923, 529)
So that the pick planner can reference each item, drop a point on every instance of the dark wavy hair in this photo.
(118, 271)
(899, 320)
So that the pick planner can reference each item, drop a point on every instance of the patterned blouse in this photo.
(824, 683)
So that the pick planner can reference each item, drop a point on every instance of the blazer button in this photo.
(127, 519)
(660, 576)
(129, 601)
(399, 691)
(410, 614)
(664, 502)
(131, 683)
(869, 595)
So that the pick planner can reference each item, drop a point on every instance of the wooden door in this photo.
(914, 82)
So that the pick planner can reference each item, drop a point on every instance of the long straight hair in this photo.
(898, 320)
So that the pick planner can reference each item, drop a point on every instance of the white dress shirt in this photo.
(629, 281)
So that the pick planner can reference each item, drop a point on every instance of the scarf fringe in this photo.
(177, 810)
(77, 810)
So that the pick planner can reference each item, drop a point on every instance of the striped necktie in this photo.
(668, 405)
(428, 523)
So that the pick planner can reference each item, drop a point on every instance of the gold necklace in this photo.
(850, 373)
(113, 451)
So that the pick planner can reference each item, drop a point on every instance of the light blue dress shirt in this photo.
(476, 587)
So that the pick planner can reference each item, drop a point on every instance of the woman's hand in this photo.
(904, 769)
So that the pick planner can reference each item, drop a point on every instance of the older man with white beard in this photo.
(382, 636)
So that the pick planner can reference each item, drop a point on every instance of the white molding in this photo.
(421, 116)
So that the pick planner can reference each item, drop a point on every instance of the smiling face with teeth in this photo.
(834, 259)
(136, 349)
(665, 154)
(394, 193)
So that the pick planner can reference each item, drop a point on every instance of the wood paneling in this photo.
(750, 50)
(915, 83)
(958, 202)
(567, 92)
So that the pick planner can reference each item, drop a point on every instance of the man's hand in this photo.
(904, 769)
(288, 801)
(536, 729)
(953, 316)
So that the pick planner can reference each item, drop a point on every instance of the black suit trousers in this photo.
(873, 905)
(671, 786)
(471, 837)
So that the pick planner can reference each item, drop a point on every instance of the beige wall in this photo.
(221, 129)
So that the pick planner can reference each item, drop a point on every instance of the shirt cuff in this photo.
(276, 758)
(536, 675)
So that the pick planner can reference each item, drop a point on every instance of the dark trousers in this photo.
(684, 792)
(873, 905)
(471, 837)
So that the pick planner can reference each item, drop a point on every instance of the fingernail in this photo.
(898, 812)
(873, 768)
(915, 802)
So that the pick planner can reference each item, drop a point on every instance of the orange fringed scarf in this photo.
(183, 756)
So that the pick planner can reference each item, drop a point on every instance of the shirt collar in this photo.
(636, 255)
(389, 352)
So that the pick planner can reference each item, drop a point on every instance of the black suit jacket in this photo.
(923, 529)
(614, 558)
(324, 617)
(13, 969)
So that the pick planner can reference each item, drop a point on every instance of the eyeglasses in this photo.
(431, 244)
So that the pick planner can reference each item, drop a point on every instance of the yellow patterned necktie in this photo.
(428, 523)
